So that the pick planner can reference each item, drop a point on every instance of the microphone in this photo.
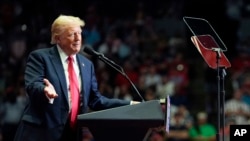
(91, 51)
(101, 56)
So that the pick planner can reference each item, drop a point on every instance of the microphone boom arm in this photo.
(119, 69)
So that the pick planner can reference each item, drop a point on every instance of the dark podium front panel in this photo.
(125, 123)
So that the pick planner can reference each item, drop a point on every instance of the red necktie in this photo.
(74, 92)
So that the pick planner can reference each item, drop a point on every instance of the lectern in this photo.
(125, 123)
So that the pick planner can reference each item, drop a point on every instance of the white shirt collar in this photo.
(63, 55)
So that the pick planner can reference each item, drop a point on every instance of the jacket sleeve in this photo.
(34, 75)
(99, 102)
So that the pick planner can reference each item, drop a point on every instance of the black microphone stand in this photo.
(220, 92)
(119, 69)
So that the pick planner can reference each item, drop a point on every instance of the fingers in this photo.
(49, 89)
(46, 81)
(52, 95)
(135, 102)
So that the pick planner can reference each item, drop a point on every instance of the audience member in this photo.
(202, 130)
(237, 109)
(178, 131)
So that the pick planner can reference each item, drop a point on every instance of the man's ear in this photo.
(57, 39)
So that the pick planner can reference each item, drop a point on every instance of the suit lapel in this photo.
(58, 67)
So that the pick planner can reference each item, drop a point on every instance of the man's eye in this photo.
(71, 34)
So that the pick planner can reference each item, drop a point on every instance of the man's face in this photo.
(70, 40)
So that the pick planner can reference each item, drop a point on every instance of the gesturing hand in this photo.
(49, 89)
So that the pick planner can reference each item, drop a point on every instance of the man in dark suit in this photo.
(48, 85)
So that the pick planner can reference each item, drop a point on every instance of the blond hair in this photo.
(61, 22)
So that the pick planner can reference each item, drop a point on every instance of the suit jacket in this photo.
(44, 121)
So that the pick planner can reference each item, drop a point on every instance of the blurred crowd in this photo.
(150, 41)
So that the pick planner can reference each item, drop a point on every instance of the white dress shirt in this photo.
(64, 60)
